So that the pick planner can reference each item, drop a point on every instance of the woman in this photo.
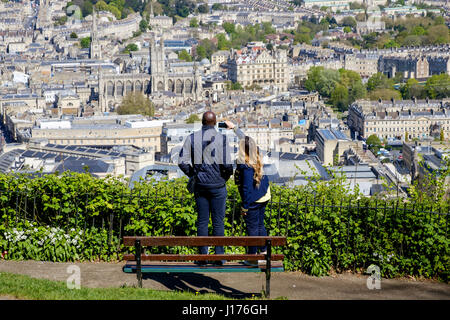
(254, 190)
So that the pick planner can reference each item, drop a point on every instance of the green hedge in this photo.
(77, 217)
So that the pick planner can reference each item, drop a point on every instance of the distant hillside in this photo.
(122, 8)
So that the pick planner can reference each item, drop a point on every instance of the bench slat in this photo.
(202, 257)
(204, 241)
(178, 267)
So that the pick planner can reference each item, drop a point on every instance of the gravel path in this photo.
(292, 285)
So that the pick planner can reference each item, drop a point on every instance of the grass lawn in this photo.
(25, 287)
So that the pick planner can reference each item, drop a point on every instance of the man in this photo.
(205, 158)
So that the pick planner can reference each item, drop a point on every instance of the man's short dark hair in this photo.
(209, 118)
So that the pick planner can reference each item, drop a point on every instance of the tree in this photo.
(193, 118)
(234, 85)
(349, 22)
(217, 6)
(327, 81)
(418, 31)
(85, 42)
(374, 143)
(438, 86)
(130, 47)
(184, 55)
(385, 94)
(339, 97)
(193, 23)
(143, 25)
(101, 6)
(87, 8)
(438, 34)
(439, 20)
(356, 91)
(302, 38)
(412, 41)
(229, 27)
(203, 8)
(412, 89)
(379, 81)
(136, 103)
(206, 48)
(73, 35)
(115, 11)
(222, 42)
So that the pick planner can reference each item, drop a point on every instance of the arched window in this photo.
(188, 86)
(129, 86)
(110, 88)
(119, 88)
(138, 86)
(179, 86)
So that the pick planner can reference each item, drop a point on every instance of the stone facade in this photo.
(397, 119)
(257, 66)
(159, 80)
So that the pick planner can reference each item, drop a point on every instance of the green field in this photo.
(25, 287)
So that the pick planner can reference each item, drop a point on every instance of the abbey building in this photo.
(163, 78)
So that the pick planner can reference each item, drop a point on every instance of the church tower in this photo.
(95, 49)
(157, 65)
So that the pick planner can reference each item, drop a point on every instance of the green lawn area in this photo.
(25, 287)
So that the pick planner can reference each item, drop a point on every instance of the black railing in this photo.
(77, 212)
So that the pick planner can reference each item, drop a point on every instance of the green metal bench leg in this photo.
(138, 247)
(268, 267)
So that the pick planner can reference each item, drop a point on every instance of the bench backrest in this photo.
(204, 241)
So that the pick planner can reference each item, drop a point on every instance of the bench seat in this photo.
(163, 263)
(180, 267)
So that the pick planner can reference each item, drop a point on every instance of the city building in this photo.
(403, 120)
(330, 145)
(409, 66)
(257, 66)
(95, 131)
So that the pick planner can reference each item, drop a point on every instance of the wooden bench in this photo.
(171, 262)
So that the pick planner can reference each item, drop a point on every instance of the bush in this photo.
(328, 226)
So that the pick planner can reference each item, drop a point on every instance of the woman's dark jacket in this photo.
(247, 185)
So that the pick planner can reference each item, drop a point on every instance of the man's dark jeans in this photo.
(254, 221)
(210, 201)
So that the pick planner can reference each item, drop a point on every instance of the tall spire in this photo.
(94, 25)
(96, 50)
(151, 9)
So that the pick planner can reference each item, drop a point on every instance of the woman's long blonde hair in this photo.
(249, 154)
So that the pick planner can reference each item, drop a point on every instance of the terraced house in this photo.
(411, 119)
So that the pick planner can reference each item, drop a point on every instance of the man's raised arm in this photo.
(185, 159)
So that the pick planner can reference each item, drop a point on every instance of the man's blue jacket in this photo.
(206, 157)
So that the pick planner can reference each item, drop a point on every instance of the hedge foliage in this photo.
(73, 217)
